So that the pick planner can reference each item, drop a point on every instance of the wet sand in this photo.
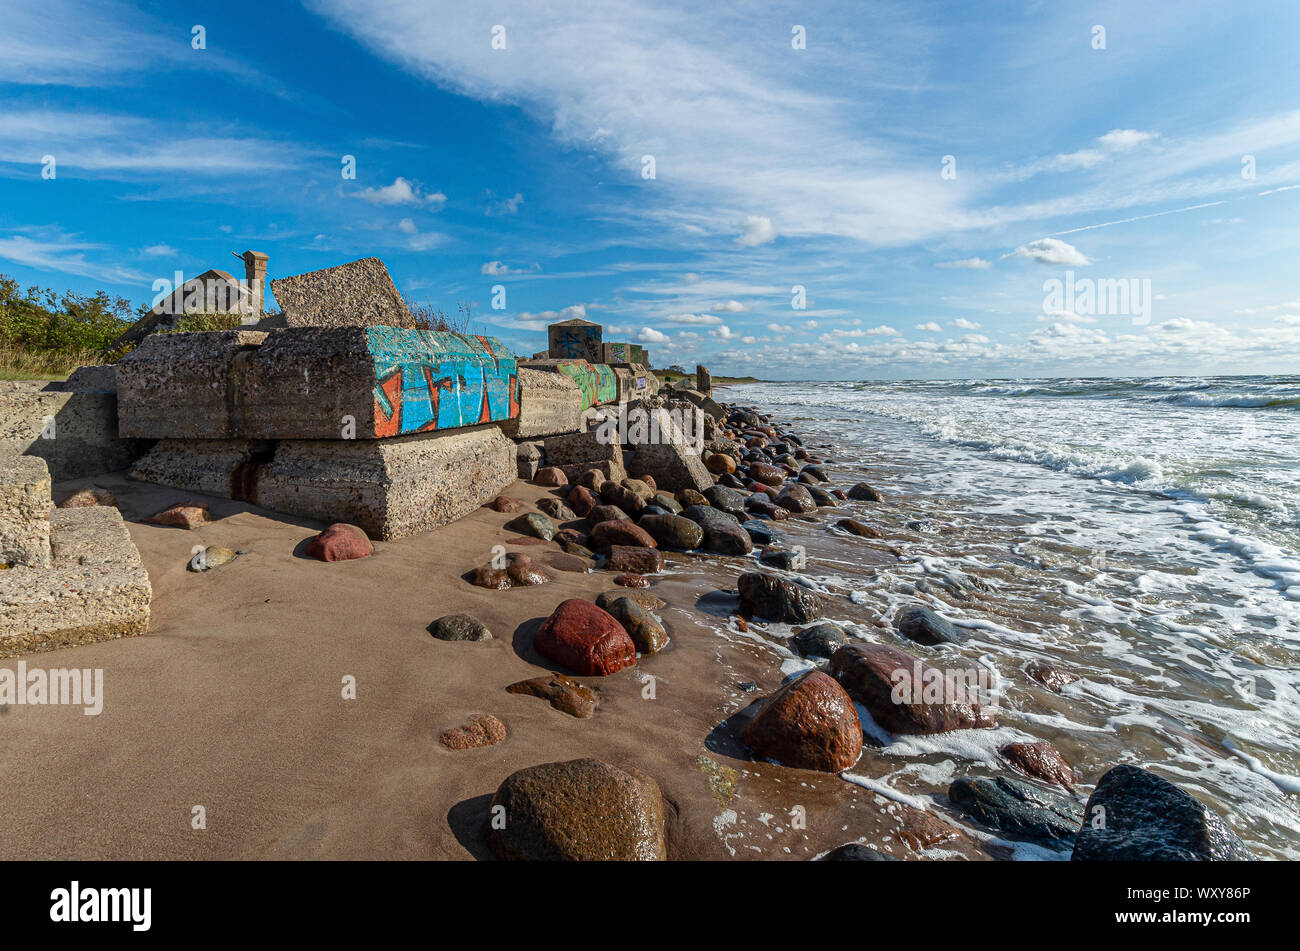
(233, 702)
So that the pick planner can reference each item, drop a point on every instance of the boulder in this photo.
(534, 524)
(582, 500)
(566, 695)
(761, 533)
(647, 633)
(551, 476)
(585, 639)
(1040, 760)
(644, 598)
(606, 513)
(904, 695)
(728, 500)
(688, 497)
(505, 504)
(340, 542)
(614, 493)
(483, 729)
(626, 533)
(918, 623)
(557, 510)
(724, 536)
(460, 627)
(634, 559)
(187, 515)
(766, 474)
(1053, 678)
(673, 465)
(581, 810)
(1019, 809)
(864, 493)
(776, 599)
(673, 531)
(1136, 816)
(797, 499)
(861, 529)
(783, 559)
(809, 723)
(820, 641)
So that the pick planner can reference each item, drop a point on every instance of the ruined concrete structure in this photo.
(339, 409)
(67, 576)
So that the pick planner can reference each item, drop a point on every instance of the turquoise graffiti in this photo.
(429, 380)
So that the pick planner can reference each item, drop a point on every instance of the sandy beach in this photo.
(233, 702)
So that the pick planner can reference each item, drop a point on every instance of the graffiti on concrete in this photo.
(429, 380)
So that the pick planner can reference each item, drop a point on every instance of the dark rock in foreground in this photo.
(776, 599)
(581, 810)
(920, 624)
(1019, 809)
(1136, 816)
(567, 696)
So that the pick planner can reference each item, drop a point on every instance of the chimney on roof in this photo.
(255, 278)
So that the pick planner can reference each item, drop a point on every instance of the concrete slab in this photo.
(595, 380)
(314, 383)
(390, 487)
(357, 294)
(95, 589)
(74, 430)
(185, 385)
(24, 512)
(549, 404)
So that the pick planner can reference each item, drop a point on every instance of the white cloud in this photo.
(730, 306)
(159, 251)
(755, 231)
(722, 333)
(930, 327)
(963, 324)
(540, 320)
(1050, 251)
(507, 206)
(884, 330)
(780, 328)
(650, 335)
(407, 226)
(401, 192)
(810, 324)
(1117, 140)
(974, 264)
(693, 319)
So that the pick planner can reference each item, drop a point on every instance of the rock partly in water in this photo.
(1053, 678)
(1136, 816)
(634, 559)
(797, 499)
(1019, 809)
(818, 641)
(581, 810)
(460, 627)
(1040, 760)
(810, 723)
(644, 598)
(864, 493)
(761, 533)
(861, 529)
(904, 695)
(776, 599)
(918, 623)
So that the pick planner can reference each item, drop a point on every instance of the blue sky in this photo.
(774, 167)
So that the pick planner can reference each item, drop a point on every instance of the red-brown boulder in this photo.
(608, 534)
(585, 639)
(810, 723)
(551, 475)
(905, 695)
(582, 500)
(340, 542)
(1041, 760)
(634, 560)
